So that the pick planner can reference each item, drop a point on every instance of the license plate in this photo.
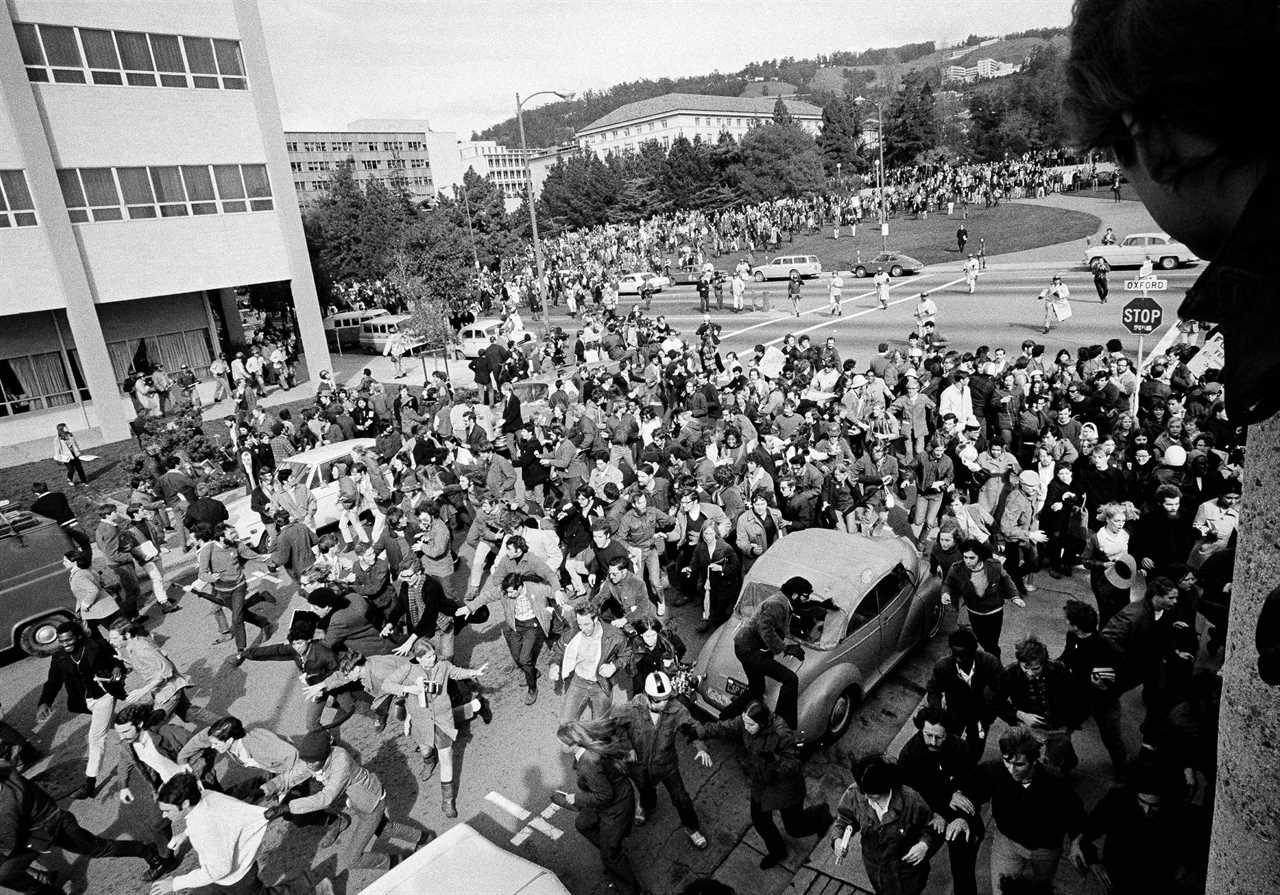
(734, 688)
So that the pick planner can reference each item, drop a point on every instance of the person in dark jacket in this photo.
(605, 800)
(895, 823)
(347, 622)
(759, 642)
(1145, 634)
(1034, 812)
(934, 763)
(93, 676)
(317, 663)
(294, 547)
(966, 683)
(31, 823)
(651, 720)
(1092, 661)
(55, 506)
(1163, 536)
(772, 763)
(1042, 695)
(483, 373)
(980, 584)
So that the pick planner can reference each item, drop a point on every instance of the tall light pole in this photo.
(884, 220)
(528, 185)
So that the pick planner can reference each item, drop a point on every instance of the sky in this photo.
(459, 64)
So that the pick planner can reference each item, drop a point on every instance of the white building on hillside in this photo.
(144, 180)
(689, 115)
(986, 68)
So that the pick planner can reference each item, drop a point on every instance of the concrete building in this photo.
(506, 165)
(689, 115)
(145, 180)
(984, 69)
(441, 146)
(542, 163)
(384, 156)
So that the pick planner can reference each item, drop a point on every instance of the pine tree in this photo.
(911, 122)
(840, 140)
(781, 114)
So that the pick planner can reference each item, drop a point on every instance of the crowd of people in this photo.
(652, 481)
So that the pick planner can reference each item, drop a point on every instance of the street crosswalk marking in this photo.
(529, 819)
(864, 312)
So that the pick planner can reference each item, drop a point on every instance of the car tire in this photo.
(759, 276)
(841, 713)
(39, 637)
(895, 271)
(1168, 262)
(860, 272)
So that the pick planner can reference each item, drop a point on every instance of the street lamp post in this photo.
(884, 219)
(528, 185)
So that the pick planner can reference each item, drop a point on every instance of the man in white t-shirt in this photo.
(834, 287)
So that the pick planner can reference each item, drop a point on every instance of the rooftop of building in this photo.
(697, 102)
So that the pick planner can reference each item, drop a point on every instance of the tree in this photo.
(689, 169)
(840, 140)
(781, 114)
(911, 122)
(481, 198)
(777, 160)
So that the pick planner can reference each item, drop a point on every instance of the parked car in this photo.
(780, 268)
(886, 603)
(474, 337)
(377, 332)
(1164, 251)
(315, 467)
(460, 861)
(34, 598)
(689, 276)
(896, 263)
(344, 327)
(630, 283)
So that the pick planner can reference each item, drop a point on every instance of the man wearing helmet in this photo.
(652, 719)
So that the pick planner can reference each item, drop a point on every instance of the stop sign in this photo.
(1142, 315)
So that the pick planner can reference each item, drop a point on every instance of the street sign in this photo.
(1141, 315)
(1147, 284)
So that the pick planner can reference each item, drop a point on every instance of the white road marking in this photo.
(865, 311)
(532, 822)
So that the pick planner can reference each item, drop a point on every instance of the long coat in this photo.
(771, 760)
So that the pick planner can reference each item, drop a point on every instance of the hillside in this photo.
(877, 70)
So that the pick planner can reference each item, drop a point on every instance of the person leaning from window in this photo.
(1176, 136)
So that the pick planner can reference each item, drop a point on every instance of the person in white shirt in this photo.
(971, 273)
(1056, 304)
(881, 281)
(926, 311)
(1216, 521)
(956, 399)
(834, 286)
(225, 834)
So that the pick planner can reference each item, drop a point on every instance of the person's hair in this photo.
(796, 585)
(877, 775)
(1030, 649)
(1167, 492)
(69, 627)
(1127, 56)
(1019, 741)
(228, 728)
(758, 712)
(203, 531)
(41, 487)
(963, 637)
(620, 562)
(326, 598)
(180, 789)
(303, 627)
(1081, 615)
(604, 737)
(1160, 586)
(517, 542)
(139, 714)
(934, 714)
(512, 581)
(975, 546)
(585, 607)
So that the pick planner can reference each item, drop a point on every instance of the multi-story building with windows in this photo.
(143, 182)
(506, 165)
(664, 118)
(982, 70)
(381, 155)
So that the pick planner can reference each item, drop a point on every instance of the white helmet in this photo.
(658, 685)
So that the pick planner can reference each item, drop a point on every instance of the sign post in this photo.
(1141, 316)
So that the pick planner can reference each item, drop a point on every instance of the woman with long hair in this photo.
(605, 800)
(717, 569)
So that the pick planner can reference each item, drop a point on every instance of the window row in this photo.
(112, 194)
(66, 55)
(40, 382)
(16, 207)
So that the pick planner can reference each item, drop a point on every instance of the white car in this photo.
(474, 337)
(780, 268)
(1164, 251)
(315, 467)
(462, 862)
(630, 283)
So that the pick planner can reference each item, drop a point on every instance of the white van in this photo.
(376, 333)
(344, 327)
(474, 337)
(783, 266)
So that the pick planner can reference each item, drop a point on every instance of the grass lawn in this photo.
(1007, 228)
